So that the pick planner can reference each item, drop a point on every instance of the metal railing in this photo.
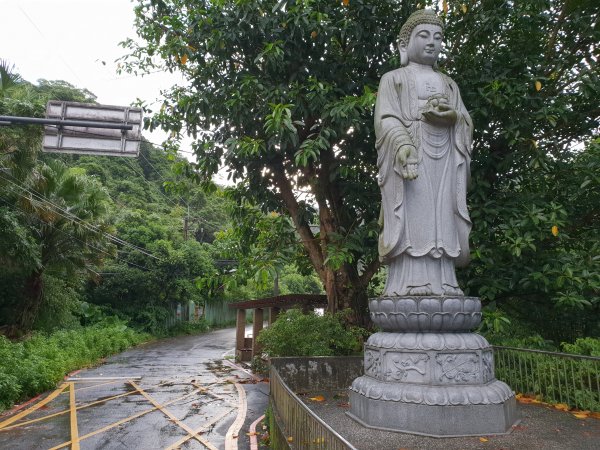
(554, 377)
(300, 427)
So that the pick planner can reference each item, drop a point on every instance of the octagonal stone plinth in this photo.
(434, 420)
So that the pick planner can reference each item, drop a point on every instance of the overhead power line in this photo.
(87, 244)
(73, 217)
(150, 184)
(87, 133)
(161, 177)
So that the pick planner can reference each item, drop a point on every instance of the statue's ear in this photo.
(403, 54)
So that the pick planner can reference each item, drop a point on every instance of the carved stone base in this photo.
(438, 384)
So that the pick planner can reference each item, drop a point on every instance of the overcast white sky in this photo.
(69, 40)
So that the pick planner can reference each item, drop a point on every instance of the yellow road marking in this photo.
(75, 439)
(204, 426)
(35, 407)
(120, 422)
(74, 428)
(99, 384)
(234, 430)
(60, 413)
(174, 419)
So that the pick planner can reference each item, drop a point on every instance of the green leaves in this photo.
(312, 146)
(246, 146)
(534, 245)
(37, 364)
(494, 321)
(279, 121)
(350, 110)
(271, 56)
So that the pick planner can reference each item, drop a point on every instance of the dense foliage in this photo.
(529, 75)
(268, 257)
(52, 218)
(35, 365)
(111, 224)
(83, 237)
(282, 92)
(553, 379)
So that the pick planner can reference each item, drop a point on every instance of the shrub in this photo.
(298, 334)
(552, 378)
(37, 364)
(184, 327)
(61, 305)
(583, 346)
(501, 330)
(10, 390)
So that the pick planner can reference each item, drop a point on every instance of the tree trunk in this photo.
(32, 301)
(342, 294)
(344, 287)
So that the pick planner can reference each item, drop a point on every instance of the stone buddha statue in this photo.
(423, 140)
(425, 372)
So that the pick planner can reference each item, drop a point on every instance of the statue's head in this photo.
(420, 38)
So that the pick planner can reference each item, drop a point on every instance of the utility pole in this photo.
(186, 224)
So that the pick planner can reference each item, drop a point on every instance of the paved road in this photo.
(173, 393)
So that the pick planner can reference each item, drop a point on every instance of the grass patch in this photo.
(188, 328)
(38, 363)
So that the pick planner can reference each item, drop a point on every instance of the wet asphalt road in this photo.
(184, 387)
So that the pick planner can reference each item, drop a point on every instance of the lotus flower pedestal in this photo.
(426, 373)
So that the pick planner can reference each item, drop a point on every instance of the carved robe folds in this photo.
(426, 224)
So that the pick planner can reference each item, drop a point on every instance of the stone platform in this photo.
(541, 427)
(427, 374)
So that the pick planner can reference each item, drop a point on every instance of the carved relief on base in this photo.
(487, 366)
(458, 368)
(373, 363)
(407, 367)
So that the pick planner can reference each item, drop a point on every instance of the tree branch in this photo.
(287, 195)
(369, 272)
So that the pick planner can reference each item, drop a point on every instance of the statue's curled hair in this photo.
(417, 18)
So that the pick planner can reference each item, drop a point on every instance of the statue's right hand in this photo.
(410, 171)
(406, 160)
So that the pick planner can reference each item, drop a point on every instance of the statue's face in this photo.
(425, 44)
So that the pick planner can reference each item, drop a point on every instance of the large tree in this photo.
(529, 74)
(66, 213)
(52, 218)
(281, 93)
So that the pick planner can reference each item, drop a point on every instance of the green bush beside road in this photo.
(298, 334)
(38, 363)
(189, 328)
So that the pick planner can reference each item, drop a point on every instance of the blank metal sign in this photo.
(89, 140)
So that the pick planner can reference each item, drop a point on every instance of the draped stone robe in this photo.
(426, 224)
